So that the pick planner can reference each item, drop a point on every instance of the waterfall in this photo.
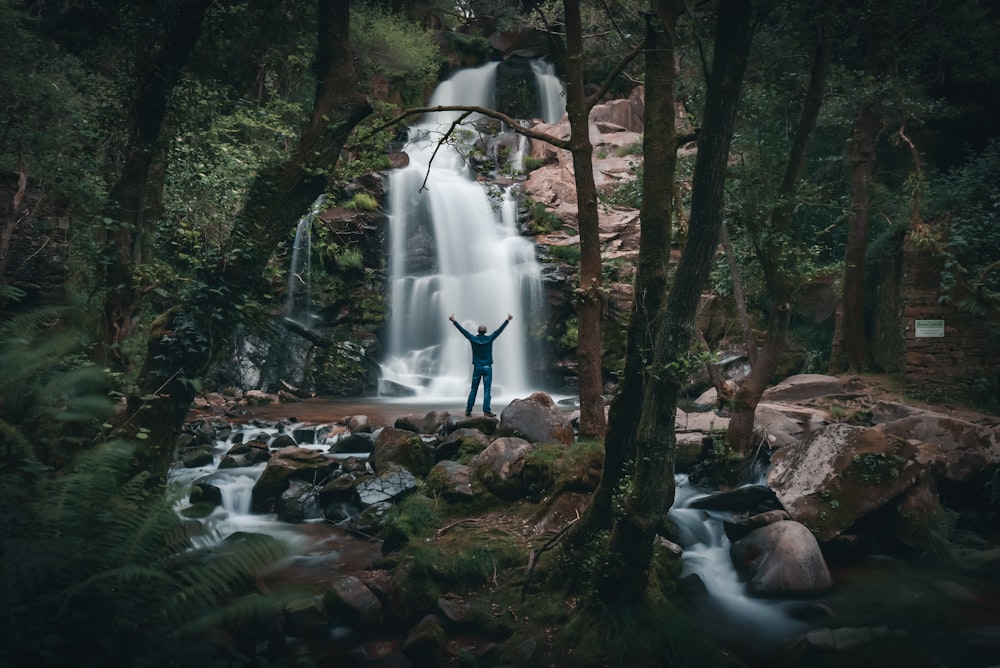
(455, 248)
(298, 300)
(550, 90)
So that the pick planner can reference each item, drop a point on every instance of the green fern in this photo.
(97, 568)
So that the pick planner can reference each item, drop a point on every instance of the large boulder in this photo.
(499, 466)
(782, 559)
(841, 473)
(954, 449)
(536, 419)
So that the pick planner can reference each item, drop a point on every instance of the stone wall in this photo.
(964, 363)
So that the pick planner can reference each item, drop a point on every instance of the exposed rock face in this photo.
(804, 386)
(782, 559)
(954, 449)
(839, 474)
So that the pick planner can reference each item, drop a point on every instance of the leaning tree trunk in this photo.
(652, 493)
(659, 145)
(186, 339)
(781, 282)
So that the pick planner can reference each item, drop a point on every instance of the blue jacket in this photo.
(482, 344)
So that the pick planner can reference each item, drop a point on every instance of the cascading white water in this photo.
(736, 617)
(481, 269)
(550, 90)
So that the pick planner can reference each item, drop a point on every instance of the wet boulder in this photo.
(246, 454)
(499, 467)
(298, 503)
(285, 465)
(536, 419)
(781, 559)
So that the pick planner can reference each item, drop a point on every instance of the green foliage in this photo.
(551, 468)
(628, 193)
(877, 467)
(55, 114)
(98, 568)
(394, 48)
(49, 389)
(541, 220)
(416, 516)
(531, 163)
(569, 254)
(362, 202)
(968, 198)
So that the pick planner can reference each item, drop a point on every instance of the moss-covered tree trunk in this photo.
(186, 339)
(659, 145)
(646, 504)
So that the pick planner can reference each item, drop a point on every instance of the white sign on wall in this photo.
(923, 329)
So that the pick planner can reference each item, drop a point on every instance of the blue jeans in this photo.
(486, 374)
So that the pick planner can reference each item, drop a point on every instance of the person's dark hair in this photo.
(482, 329)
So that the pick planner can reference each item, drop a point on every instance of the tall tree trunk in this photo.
(134, 202)
(781, 283)
(590, 298)
(749, 341)
(652, 493)
(861, 162)
(186, 339)
(659, 145)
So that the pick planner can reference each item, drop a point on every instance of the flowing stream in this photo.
(455, 248)
(735, 617)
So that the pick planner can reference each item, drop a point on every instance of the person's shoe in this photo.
(468, 413)
(489, 414)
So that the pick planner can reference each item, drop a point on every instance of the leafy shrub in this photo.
(362, 202)
(569, 254)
